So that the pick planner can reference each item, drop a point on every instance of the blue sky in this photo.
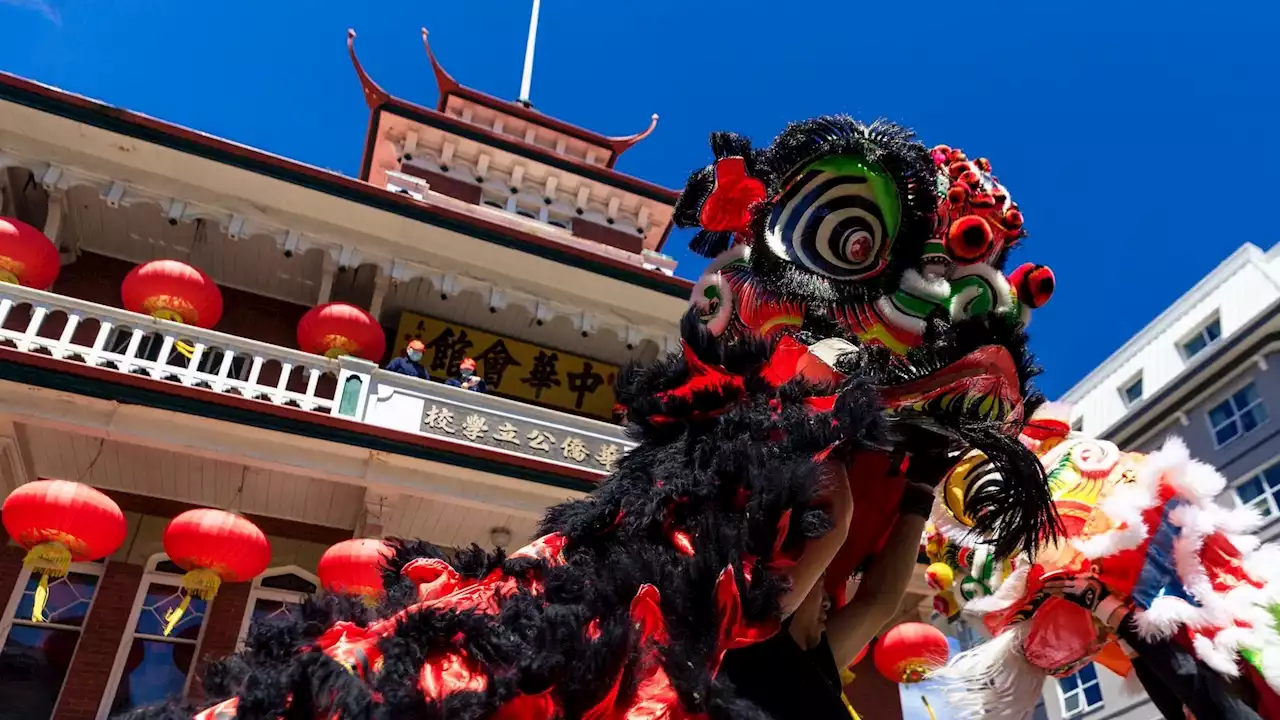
(1132, 134)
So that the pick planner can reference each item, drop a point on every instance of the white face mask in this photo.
(466, 373)
(414, 355)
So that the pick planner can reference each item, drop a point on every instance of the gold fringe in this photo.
(201, 583)
(51, 560)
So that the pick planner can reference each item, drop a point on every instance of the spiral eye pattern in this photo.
(833, 224)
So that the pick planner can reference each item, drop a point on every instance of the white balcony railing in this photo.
(75, 330)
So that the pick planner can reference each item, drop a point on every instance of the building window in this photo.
(1203, 338)
(1237, 415)
(1260, 491)
(1132, 392)
(275, 593)
(151, 667)
(1080, 692)
(35, 657)
(1077, 425)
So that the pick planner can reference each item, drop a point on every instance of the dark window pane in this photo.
(1272, 476)
(1226, 433)
(1249, 420)
(1262, 505)
(1133, 393)
(1071, 703)
(1069, 683)
(33, 663)
(289, 582)
(1093, 695)
(154, 671)
(1259, 413)
(1220, 414)
(1088, 674)
(1212, 331)
(1250, 490)
(1245, 396)
(264, 609)
(1192, 347)
(68, 602)
(160, 600)
(168, 566)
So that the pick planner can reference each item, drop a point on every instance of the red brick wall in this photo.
(221, 631)
(10, 566)
(100, 639)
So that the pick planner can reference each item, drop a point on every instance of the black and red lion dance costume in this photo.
(855, 309)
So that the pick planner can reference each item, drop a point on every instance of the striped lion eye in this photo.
(837, 218)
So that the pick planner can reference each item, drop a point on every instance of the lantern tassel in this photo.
(50, 559)
(41, 599)
(172, 617)
(202, 583)
(928, 707)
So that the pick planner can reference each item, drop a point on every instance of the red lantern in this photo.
(27, 257)
(910, 651)
(338, 328)
(172, 290)
(213, 546)
(861, 654)
(58, 523)
(354, 567)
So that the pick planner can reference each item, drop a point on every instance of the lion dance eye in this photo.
(969, 238)
(838, 218)
(1033, 283)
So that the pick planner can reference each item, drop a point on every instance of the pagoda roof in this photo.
(147, 129)
(452, 88)
(377, 98)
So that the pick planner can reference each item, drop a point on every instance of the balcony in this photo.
(116, 340)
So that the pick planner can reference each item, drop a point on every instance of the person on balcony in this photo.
(467, 379)
(411, 362)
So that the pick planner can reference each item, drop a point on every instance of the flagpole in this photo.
(527, 80)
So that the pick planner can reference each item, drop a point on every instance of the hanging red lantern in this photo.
(338, 328)
(172, 290)
(27, 257)
(213, 546)
(861, 654)
(354, 567)
(58, 523)
(910, 651)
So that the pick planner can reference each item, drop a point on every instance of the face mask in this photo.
(467, 373)
(414, 355)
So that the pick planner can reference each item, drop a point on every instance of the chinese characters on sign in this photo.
(513, 368)
(594, 453)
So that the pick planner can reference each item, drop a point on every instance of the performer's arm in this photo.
(883, 585)
(818, 553)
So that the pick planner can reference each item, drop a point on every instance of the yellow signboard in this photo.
(511, 367)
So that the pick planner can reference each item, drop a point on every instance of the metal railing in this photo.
(32, 321)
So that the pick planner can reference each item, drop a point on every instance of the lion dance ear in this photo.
(721, 198)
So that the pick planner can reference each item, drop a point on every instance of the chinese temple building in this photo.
(206, 325)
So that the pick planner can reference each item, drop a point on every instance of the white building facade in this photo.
(1201, 370)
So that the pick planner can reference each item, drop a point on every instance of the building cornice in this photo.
(1226, 359)
(79, 109)
(1245, 255)
(79, 379)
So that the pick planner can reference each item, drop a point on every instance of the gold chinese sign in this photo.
(513, 368)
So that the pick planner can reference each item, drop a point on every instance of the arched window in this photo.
(275, 592)
(150, 666)
(35, 657)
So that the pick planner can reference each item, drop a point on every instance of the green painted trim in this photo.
(370, 196)
(130, 395)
